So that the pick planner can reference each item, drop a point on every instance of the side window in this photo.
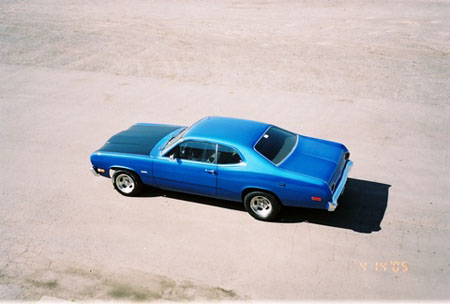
(228, 155)
(197, 151)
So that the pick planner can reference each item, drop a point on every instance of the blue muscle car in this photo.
(259, 164)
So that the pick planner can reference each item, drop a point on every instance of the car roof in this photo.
(225, 130)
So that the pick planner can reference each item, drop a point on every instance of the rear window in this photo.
(276, 144)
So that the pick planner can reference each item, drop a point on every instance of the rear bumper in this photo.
(331, 205)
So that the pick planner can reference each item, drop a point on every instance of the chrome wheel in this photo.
(261, 206)
(125, 183)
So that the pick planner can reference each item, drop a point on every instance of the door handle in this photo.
(210, 171)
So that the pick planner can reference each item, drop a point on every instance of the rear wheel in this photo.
(127, 183)
(262, 205)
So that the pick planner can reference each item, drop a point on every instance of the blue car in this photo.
(256, 163)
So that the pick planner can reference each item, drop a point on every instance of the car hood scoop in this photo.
(138, 139)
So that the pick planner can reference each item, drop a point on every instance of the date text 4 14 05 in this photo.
(392, 266)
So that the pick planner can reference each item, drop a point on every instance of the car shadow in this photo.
(361, 207)
(155, 192)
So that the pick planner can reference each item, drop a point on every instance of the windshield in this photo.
(276, 144)
(172, 141)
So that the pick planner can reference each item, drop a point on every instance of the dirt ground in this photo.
(373, 75)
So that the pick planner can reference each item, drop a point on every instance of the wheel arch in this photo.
(251, 189)
(115, 168)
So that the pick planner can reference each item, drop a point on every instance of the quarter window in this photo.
(228, 155)
(196, 151)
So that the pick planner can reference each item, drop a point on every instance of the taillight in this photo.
(316, 198)
(347, 155)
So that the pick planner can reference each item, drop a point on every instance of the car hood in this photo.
(138, 139)
(317, 158)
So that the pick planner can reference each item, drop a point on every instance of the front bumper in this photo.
(94, 171)
(331, 205)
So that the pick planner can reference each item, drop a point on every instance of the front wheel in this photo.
(262, 205)
(127, 183)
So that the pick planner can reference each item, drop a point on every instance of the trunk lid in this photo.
(317, 158)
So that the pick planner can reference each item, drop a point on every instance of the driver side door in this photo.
(188, 167)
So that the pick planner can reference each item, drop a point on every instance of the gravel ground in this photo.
(373, 75)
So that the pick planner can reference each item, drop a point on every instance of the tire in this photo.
(262, 205)
(127, 183)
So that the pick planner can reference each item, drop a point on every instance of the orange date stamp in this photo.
(391, 266)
